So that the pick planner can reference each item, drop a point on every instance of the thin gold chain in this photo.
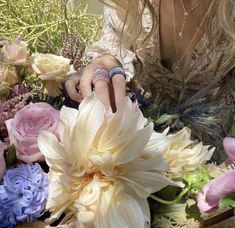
(179, 59)
(186, 14)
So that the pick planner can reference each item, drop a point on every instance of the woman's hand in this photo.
(82, 84)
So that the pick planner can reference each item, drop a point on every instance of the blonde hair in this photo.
(133, 13)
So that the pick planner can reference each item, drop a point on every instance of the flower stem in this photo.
(180, 196)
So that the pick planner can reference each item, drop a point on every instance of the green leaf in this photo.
(11, 156)
(227, 200)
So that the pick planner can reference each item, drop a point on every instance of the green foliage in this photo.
(11, 156)
(44, 23)
(197, 179)
(227, 200)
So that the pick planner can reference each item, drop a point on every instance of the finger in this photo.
(119, 87)
(71, 87)
(102, 92)
(85, 86)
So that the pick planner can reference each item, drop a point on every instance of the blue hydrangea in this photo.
(25, 191)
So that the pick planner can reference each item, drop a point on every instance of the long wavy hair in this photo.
(132, 12)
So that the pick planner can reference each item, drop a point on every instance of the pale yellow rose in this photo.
(8, 74)
(15, 53)
(52, 70)
(184, 154)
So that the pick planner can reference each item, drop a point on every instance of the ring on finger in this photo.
(116, 70)
(100, 74)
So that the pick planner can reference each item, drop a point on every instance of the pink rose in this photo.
(25, 127)
(2, 160)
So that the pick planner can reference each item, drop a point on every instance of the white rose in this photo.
(52, 70)
(8, 74)
(15, 53)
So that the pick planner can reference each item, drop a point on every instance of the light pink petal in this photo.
(202, 204)
(215, 189)
(229, 147)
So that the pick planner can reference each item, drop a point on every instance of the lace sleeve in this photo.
(109, 44)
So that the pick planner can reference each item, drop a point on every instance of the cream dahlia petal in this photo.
(90, 194)
(68, 117)
(57, 207)
(156, 145)
(125, 212)
(134, 147)
(120, 126)
(145, 208)
(144, 164)
(104, 160)
(149, 181)
(89, 121)
(138, 189)
(102, 219)
(50, 146)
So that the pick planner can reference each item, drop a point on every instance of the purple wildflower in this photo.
(25, 190)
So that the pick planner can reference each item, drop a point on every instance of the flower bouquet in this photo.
(87, 166)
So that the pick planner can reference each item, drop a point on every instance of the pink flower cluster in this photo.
(9, 108)
(210, 195)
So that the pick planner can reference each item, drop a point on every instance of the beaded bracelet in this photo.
(116, 70)
(100, 73)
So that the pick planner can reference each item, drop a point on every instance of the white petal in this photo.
(90, 119)
(125, 212)
(156, 145)
(69, 116)
(133, 148)
(68, 119)
(156, 163)
(90, 194)
(102, 212)
(50, 146)
(149, 181)
(86, 216)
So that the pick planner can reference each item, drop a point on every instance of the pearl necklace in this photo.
(186, 14)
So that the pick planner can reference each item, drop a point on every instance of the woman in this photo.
(182, 50)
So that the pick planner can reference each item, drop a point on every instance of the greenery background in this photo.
(51, 26)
